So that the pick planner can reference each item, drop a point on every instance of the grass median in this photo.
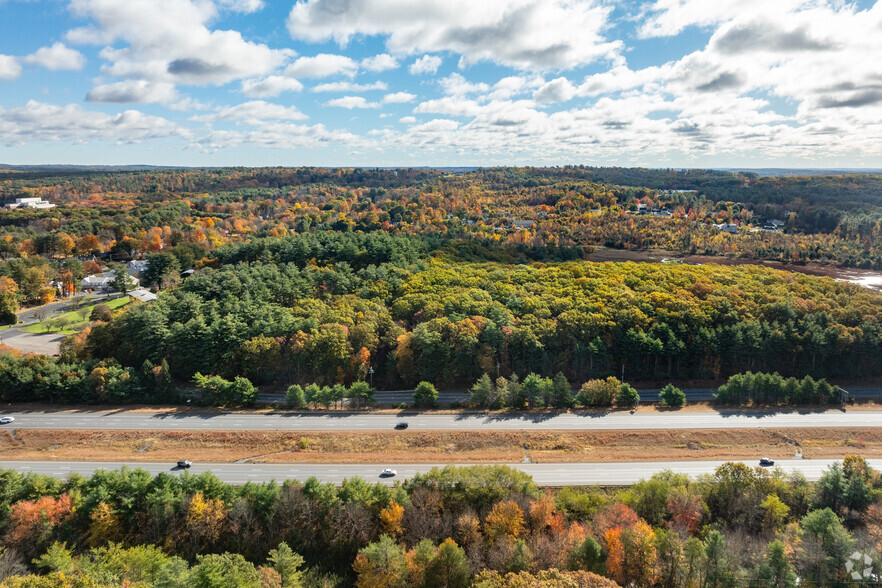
(436, 446)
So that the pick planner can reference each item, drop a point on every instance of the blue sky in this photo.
(669, 83)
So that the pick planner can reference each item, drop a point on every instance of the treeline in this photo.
(829, 219)
(484, 526)
(536, 391)
(774, 389)
(450, 322)
(39, 378)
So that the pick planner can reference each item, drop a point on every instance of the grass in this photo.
(437, 446)
(75, 318)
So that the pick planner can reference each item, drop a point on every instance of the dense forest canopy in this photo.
(487, 526)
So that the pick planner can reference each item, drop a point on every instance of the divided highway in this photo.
(345, 421)
(544, 474)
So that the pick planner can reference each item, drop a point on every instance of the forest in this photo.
(315, 275)
(483, 526)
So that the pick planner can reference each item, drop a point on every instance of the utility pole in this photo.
(371, 372)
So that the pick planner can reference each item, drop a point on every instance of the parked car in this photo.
(388, 473)
(7, 420)
(183, 463)
(401, 426)
(765, 461)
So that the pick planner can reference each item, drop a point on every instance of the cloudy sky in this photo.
(665, 83)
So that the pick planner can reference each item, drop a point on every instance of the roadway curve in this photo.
(185, 420)
(544, 474)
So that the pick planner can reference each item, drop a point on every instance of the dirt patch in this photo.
(438, 446)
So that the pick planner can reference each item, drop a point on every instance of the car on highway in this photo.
(183, 463)
(400, 426)
(388, 473)
(765, 461)
(6, 420)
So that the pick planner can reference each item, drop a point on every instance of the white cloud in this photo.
(557, 90)
(381, 62)
(322, 66)
(407, 120)
(398, 98)
(252, 113)
(349, 87)
(169, 41)
(37, 121)
(243, 6)
(133, 91)
(10, 69)
(524, 34)
(57, 57)
(270, 86)
(350, 102)
(427, 64)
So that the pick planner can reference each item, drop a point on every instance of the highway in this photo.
(544, 474)
(192, 420)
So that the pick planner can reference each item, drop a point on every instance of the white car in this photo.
(388, 473)
(6, 420)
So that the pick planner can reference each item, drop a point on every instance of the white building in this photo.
(29, 203)
(727, 227)
(104, 281)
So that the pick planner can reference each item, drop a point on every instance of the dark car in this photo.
(401, 426)
(183, 463)
(765, 461)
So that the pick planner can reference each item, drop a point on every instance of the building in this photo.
(728, 227)
(523, 224)
(104, 281)
(143, 295)
(29, 203)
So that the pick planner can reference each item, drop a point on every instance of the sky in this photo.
(665, 83)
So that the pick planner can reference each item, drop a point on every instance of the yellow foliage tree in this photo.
(506, 519)
(391, 518)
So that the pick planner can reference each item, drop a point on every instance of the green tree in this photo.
(381, 564)
(226, 570)
(672, 396)
(287, 564)
(483, 392)
(776, 570)
(295, 397)
(563, 392)
(425, 395)
(449, 567)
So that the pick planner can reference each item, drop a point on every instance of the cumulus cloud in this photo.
(37, 121)
(322, 66)
(57, 57)
(427, 64)
(270, 86)
(351, 102)
(10, 69)
(557, 90)
(408, 120)
(525, 34)
(252, 112)
(133, 91)
(169, 41)
(398, 98)
(349, 87)
(381, 62)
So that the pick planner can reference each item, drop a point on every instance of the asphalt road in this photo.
(544, 474)
(185, 420)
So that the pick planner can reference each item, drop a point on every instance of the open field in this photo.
(74, 320)
(436, 446)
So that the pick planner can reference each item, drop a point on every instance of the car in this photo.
(183, 463)
(765, 461)
(401, 426)
(6, 420)
(388, 473)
